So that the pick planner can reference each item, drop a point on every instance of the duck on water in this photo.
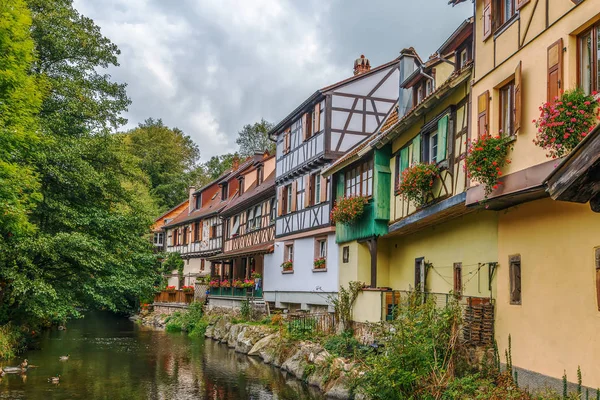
(15, 370)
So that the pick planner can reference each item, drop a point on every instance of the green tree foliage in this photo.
(20, 100)
(254, 138)
(217, 165)
(168, 157)
(90, 244)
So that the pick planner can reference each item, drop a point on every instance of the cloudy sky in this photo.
(211, 66)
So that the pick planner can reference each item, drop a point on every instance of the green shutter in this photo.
(403, 159)
(416, 156)
(442, 138)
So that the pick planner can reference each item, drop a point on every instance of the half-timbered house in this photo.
(528, 52)
(436, 246)
(249, 233)
(158, 231)
(303, 270)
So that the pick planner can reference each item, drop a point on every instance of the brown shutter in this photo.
(305, 126)
(279, 201)
(317, 117)
(521, 3)
(294, 195)
(192, 226)
(323, 197)
(487, 19)
(597, 254)
(555, 69)
(483, 115)
(518, 94)
(307, 190)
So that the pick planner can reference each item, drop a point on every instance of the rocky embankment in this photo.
(305, 360)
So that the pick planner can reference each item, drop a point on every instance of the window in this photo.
(197, 231)
(241, 185)
(307, 125)
(597, 257)
(463, 58)
(213, 231)
(317, 197)
(198, 201)
(250, 220)
(496, 13)
(202, 264)
(428, 87)
(288, 199)
(259, 175)
(515, 279)
(458, 279)
(408, 155)
(507, 10)
(483, 120)
(224, 191)
(158, 239)
(186, 232)
(346, 254)
(359, 180)
(435, 136)
(507, 109)
(287, 141)
(321, 247)
(420, 274)
(258, 217)
(321, 115)
(176, 237)
(289, 252)
(431, 140)
(589, 60)
(272, 209)
(235, 226)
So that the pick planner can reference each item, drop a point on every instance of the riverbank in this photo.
(268, 340)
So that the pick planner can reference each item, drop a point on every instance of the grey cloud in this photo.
(209, 67)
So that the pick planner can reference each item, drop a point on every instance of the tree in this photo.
(254, 138)
(90, 247)
(168, 157)
(217, 165)
(20, 100)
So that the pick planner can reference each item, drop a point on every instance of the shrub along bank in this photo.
(416, 356)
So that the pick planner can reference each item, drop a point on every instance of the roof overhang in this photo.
(577, 177)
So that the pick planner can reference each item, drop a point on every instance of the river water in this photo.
(113, 358)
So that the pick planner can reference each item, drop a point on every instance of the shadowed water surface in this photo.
(113, 358)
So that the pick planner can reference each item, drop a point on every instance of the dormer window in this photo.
(241, 184)
(259, 175)
(224, 191)
(198, 201)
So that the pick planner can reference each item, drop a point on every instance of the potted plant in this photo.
(256, 275)
(215, 283)
(188, 289)
(320, 263)
(348, 209)
(287, 265)
(248, 283)
(170, 289)
(238, 287)
(225, 287)
(486, 157)
(564, 122)
(417, 182)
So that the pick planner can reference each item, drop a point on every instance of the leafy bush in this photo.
(188, 320)
(565, 122)
(346, 345)
(10, 341)
(417, 182)
(301, 329)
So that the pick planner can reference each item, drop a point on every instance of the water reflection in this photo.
(112, 358)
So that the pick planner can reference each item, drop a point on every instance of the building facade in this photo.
(302, 272)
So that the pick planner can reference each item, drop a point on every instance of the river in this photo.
(113, 358)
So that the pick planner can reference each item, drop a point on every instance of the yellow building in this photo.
(526, 52)
(439, 246)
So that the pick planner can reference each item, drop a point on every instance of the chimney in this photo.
(361, 65)
(235, 163)
(192, 203)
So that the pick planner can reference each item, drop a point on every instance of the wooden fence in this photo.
(324, 323)
(176, 296)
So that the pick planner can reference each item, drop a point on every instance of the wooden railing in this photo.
(176, 296)
(252, 237)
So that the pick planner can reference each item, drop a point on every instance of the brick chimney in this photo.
(361, 65)
(235, 163)
(192, 203)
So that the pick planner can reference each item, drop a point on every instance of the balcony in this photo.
(174, 297)
(251, 293)
(203, 246)
(248, 236)
(300, 156)
(368, 225)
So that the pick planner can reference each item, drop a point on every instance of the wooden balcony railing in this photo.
(176, 296)
(251, 237)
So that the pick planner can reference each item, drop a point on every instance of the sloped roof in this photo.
(215, 205)
(321, 92)
(253, 194)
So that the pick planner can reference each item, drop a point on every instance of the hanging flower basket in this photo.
(564, 123)
(320, 263)
(348, 209)
(486, 157)
(417, 182)
(287, 265)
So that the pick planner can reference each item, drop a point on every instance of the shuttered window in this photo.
(287, 141)
(442, 138)
(555, 70)
(589, 60)
(487, 19)
(483, 105)
(323, 189)
(597, 257)
(507, 107)
(197, 231)
(515, 279)
(294, 196)
(307, 125)
(518, 98)
(458, 279)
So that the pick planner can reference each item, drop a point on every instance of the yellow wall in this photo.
(495, 63)
(556, 327)
(470, 239)
(358, 267)
(368, 306)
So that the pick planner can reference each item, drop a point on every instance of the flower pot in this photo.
(239, 292)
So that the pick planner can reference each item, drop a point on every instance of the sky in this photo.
(209, 67)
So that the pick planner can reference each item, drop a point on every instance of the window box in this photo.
(324, 269)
